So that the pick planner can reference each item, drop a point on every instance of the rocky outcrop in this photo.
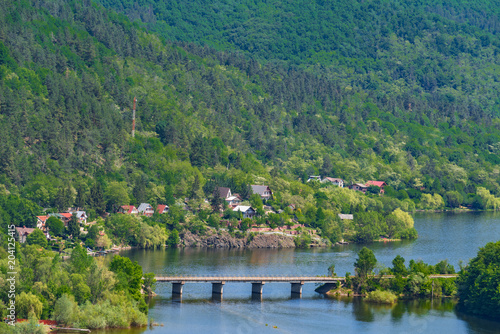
(223, 239)
(271, 241)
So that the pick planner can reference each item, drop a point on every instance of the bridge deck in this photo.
(277, 279)
(248, 279)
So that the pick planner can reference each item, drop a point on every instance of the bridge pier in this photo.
(177, 288)
(217, 288)
(297, 289)
(257, 287)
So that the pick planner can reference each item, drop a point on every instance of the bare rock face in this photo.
(271, 241)
(223, 239)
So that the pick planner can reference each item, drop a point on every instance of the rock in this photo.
(223, 239)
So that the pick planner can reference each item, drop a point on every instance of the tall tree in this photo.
(74, 227)
(97, 198)
(365, 263)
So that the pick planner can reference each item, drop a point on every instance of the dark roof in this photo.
(223, 192)
(24, 230)
(260, 189)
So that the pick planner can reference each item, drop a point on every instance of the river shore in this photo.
(223, 239)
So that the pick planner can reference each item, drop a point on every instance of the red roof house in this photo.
(162, 208)
(128, 209)
(380, 184)
(40, 222)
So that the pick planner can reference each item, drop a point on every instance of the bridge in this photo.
(296, 282)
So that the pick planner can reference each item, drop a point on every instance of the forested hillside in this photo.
(431, 57)
(425, 123)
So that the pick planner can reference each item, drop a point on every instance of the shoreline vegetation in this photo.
(475, 286)
(82, 292)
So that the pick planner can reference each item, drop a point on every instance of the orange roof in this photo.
(43, 218)
(66, 215)
(161, 207)
(128, 208)
(376, 183)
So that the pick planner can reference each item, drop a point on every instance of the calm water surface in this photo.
(455, 237)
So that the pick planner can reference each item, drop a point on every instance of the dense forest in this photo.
(269, 105)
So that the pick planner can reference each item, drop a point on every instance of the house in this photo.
(358, 187)
(314, 178)
(23, 232)
(346, 216)
(264, 191)
(41, 221)
(380, 184)
(248, 211)
(145, 209)
(65, 217)
(269, 209)
(82, 217)
(128, 209)
(224, 192)
(162, 208)
(334, 181)
(233, 201)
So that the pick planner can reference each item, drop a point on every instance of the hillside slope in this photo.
(68, 75)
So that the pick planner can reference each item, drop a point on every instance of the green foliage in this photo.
(80, 261)
(26, 303)
(73, 227)
(149, 283)
(381, 297)
(55, 226)
(66, 310)
(173, 239)
(303, 241)
(399, 267)
(365, 263)
(478, 282)
(129, 275)
(116, 195)
(30, 327)
(331, 271)
(37, 238)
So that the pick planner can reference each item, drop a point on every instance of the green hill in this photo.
(211, 116)
(425, 56)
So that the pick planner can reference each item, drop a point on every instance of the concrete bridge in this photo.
(296, 282)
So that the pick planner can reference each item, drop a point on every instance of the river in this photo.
(452, 236)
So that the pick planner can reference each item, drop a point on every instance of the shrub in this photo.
(381, 297)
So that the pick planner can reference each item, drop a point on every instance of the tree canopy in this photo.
(478, 282)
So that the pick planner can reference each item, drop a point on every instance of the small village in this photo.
(241, 209)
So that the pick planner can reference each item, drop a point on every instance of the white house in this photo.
(145, 209)
(314, 178)
(82, 217)
(233, 201)
(264, 191)
(247, 211)
(41, 221)
(335, 181)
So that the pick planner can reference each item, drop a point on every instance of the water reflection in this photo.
(441, 236)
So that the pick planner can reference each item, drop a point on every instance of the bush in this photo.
(409, 233)
(303, 241)
(478, 283)
(381, 297)
(37, 238)
(66, 310)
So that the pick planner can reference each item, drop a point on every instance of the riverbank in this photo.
(223, 239)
